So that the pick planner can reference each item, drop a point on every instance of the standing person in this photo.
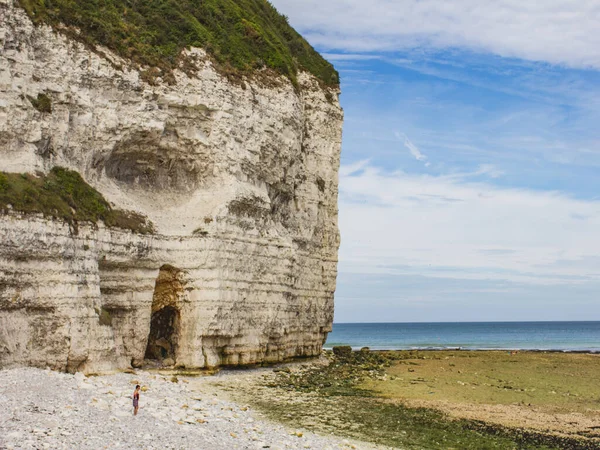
(136, 399)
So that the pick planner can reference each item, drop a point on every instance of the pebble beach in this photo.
(45, 409)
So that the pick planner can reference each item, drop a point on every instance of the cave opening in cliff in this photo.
(165, 319)
(162, 341)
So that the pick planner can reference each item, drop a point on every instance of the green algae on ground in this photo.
(551, 381)
(339, 399)
(63, 194)
(241, 35)
(372, 420)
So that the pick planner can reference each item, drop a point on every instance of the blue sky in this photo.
(469, 185)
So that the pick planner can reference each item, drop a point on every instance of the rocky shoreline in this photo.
(440, 400)
(46, 409)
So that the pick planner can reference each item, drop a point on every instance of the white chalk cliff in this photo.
(240, 180)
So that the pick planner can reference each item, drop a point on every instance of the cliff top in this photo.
(241, 35)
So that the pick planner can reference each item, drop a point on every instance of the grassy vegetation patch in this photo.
(241, 35)
(63, 194)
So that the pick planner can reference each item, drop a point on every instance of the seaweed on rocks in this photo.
(341, 376)
(333, 400)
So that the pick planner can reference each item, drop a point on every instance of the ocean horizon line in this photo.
(329, 346)
(468, 321)
(524, 335)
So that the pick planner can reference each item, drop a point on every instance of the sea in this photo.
(546, 336)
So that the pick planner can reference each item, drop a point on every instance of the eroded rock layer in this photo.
(239, 179)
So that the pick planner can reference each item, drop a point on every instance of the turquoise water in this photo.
(562, 336)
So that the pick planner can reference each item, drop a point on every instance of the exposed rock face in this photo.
(240, 180)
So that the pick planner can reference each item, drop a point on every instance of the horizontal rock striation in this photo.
(238, 177)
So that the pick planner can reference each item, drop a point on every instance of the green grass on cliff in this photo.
(63, 194)
(242, 35)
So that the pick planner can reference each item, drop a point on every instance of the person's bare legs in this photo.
(136, 399)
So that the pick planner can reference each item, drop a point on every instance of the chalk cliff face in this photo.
(239, 178)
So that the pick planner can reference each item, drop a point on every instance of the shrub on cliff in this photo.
(241, 35)
(3, 183)
(42, 103)
(63, 194)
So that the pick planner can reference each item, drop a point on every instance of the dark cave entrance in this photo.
(162, 340)
(165, 320)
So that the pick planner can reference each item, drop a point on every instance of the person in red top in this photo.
(136, 399)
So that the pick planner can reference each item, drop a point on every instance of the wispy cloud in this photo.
(412, 148)
(398, 223)
(490, 170)
(555, 31)
(336, 57)
(351, 169)
(530, 123)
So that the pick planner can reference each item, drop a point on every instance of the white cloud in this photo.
(447, 227)
(351, 169)
(555, 31)
(412, 148)
(489, 170)
(336, 57)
